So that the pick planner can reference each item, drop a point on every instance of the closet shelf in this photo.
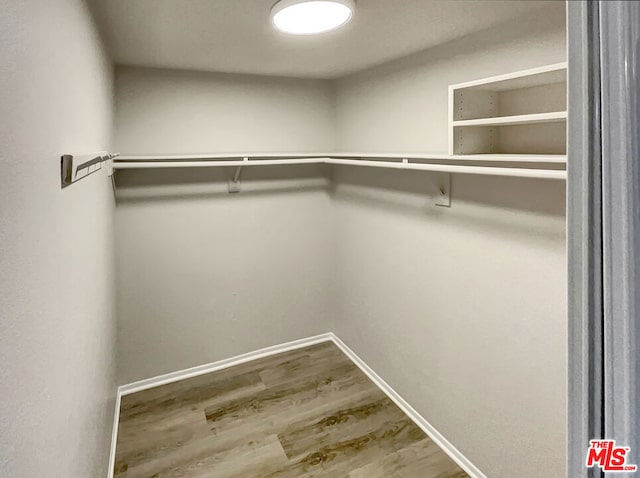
(533, 77)
(320, 157)
(392, 161)
(534, 118)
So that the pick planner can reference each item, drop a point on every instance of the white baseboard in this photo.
(114, 436)
(420, 421)
(221, 364)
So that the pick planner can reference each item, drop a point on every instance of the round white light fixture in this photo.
(306, 17)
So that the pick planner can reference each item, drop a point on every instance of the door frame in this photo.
(603, 228)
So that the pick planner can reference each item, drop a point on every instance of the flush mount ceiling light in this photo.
(306, 17)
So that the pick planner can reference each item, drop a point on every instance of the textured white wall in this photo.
(164, 111)
(202, 274)
(57, 325)
(462, 310)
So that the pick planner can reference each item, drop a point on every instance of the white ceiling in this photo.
(236, 35)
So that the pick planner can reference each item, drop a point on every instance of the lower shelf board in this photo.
(309, 412)
(552, 117)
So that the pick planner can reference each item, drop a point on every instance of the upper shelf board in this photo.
(543, 75)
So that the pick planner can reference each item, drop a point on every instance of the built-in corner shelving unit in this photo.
(521, 116)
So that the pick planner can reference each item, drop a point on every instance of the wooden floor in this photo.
(306, 413)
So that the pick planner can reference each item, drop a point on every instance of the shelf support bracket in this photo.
(443, 183)
(234, 183)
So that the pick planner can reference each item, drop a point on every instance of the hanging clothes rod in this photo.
(208, 163)
(378, 161)
(453, 168)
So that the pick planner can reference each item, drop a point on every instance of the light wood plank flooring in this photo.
(305, 413)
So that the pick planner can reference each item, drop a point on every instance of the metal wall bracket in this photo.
(443, 183)
(234, 183)
(109, 166)
(74, 167)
